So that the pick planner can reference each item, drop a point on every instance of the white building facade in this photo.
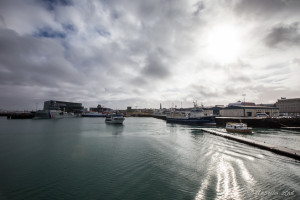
(248, 111)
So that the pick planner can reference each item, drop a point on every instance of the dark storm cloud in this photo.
(70, 28)
(267, 8)
(131, 50)
(146, 10)
(30, 61)
(155, 68)
(260, 6)
(202, 91)
(2, 22)
(49, 33)
(52, 4)
(164, 24)
(199, 7)
(141, 81)
(287, 34)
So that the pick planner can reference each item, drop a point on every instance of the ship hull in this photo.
(52, 114)
(208, 120)
(94, 115)
(115, 119)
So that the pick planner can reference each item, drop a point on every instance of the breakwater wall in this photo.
(263, 145)
(18, 115)
(260, 122)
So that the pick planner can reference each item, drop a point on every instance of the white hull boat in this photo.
(52, 114)
(238, 128)
(114, 119)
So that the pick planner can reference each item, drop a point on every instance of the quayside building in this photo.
(73, 107)
(248, 111)
(100, 108)
(289, 106)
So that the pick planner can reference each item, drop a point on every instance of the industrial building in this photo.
(63, 106)
(248, 111)
(216, 109)
(289, 106)
(100, 108)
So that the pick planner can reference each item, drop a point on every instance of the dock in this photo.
(257, 122)
(263, 145)
(291, 128)
(18, 115)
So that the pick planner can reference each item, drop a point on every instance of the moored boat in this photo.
(194, 117)
(238, 127)
(114, 119)
(202, 121)
(52, 114)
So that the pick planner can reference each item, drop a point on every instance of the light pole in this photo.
(244, 95)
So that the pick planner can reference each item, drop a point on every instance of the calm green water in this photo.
(84, 158)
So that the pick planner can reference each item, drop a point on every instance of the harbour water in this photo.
(146, 158)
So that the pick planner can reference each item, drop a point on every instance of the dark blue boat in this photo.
(195, 116)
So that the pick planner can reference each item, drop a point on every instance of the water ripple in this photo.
(144, 159)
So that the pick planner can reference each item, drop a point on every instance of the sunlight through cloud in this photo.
(223, 44)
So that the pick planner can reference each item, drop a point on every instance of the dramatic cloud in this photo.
(122, 53)
(268, 9)
(284, 34)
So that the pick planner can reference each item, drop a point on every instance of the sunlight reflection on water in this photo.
(143, 159)
(224, 169)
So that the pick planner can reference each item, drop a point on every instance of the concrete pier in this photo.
(260, 122)
(20, 115)
(291, 128)
(276, 149)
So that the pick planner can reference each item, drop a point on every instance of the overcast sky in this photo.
(121, 53)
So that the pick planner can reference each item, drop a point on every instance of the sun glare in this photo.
(223, 44)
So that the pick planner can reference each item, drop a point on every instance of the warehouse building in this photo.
(248, 111)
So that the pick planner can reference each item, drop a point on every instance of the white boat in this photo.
(238, 128)
(114, 119)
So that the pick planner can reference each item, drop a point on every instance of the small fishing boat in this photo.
(238, 128)
(114, 119)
